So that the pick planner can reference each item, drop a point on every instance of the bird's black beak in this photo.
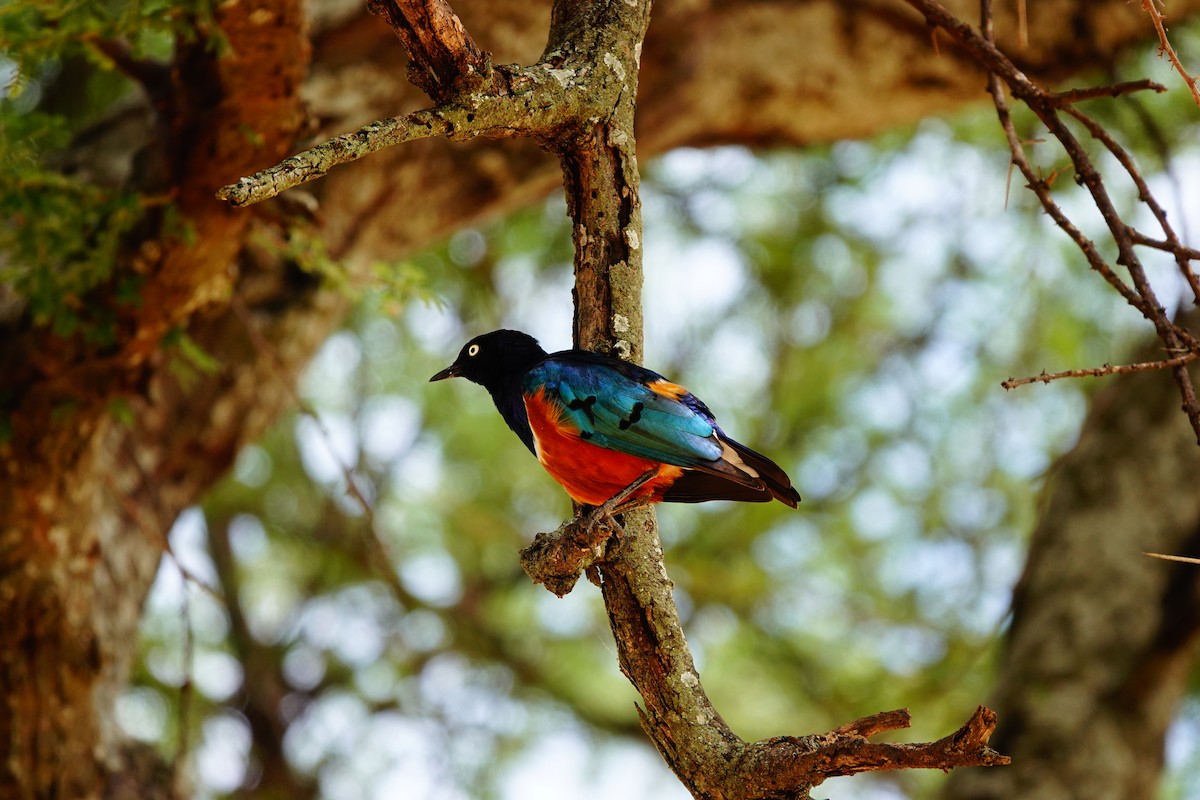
(452, 371)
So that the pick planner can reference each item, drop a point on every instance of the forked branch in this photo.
(1138, 292)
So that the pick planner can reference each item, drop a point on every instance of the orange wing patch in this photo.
(665, 388)
(591, 474)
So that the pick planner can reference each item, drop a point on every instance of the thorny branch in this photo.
(1112, 90)
(1047, 106)
(1100, 372)
(1165, 48)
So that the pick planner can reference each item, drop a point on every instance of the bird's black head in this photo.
(492, 357)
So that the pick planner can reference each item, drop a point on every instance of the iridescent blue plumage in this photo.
(614, 407)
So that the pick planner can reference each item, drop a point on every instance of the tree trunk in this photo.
(1103, 638)
(79, 555)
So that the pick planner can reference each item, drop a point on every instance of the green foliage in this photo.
(383, 285)
(39, 33)
(187, 357)
(60, 235)
(61, 232)
(120, 410)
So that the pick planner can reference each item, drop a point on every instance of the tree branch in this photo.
(601, 181)
(1112, 90)
(1046, 106)
(1100, 372)
(786, 762)
(316, 161)
(528, 102)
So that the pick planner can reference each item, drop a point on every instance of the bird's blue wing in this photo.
(628, 409)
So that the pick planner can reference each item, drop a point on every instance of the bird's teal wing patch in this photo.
(619, 412)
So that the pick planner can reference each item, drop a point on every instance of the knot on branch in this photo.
(557, 559)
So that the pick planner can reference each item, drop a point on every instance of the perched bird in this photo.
(604, 428)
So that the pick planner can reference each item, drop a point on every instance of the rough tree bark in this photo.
(86, 500)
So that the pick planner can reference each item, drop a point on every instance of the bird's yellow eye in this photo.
(473, 350)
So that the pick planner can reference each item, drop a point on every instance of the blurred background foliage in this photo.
(65, 215)
(849, 310)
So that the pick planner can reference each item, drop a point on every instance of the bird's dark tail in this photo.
(728, 481)
(777, 481)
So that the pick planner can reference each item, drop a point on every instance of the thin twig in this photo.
(265, 349)
(1165, 48)
(1181, 559)
(1157, 139)
(1182, 258)
(1100, 372)
(1042, 104)
(1041, 188)
(1069, 96)
(1165, 246)
(1035, 182)
(377, 550)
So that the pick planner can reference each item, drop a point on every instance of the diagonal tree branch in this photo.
(533, 101)
(316, 161)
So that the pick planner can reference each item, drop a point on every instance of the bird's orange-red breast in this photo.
(591, 474)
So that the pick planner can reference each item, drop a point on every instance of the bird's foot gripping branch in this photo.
(557, 559)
